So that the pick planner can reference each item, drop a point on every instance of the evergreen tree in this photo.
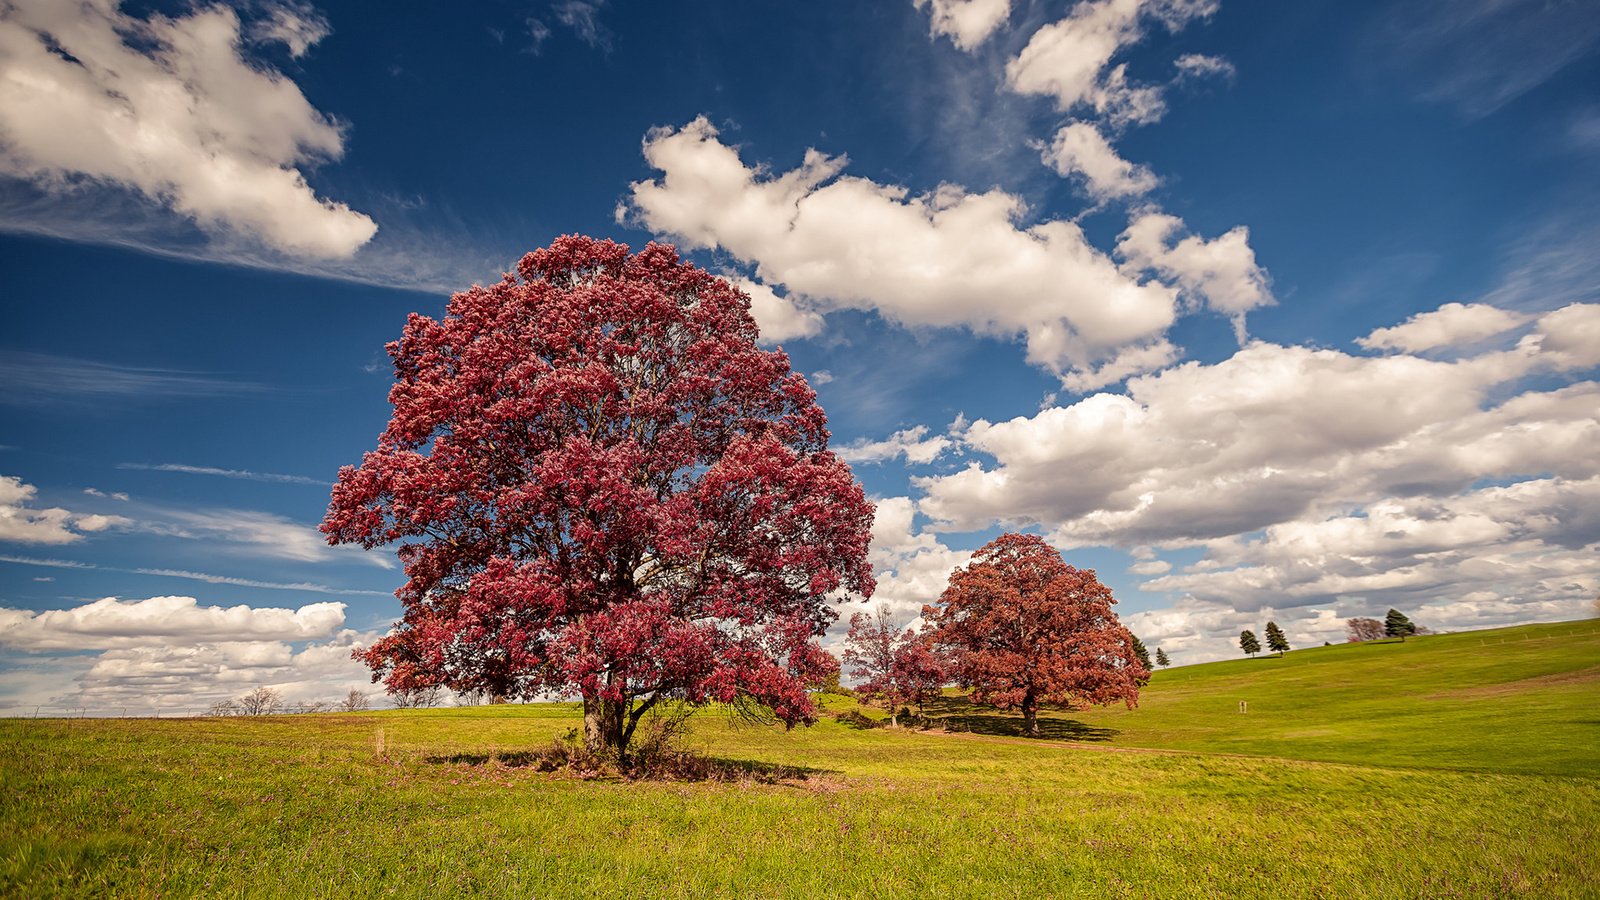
(1248, 642)
(1140, 651)
(1161, 658)
(1276, 642)
(1395, 624)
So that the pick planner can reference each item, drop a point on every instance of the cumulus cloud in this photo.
(1273, 433)
(1068, 60)
(173, 652)
(1079, 149)
(1221, 273)
(912, 565)
(176, 621)
(779, 318)
(950, 258)
(912, 444)
(1536, 536)
(1129, 361)
(967, 23)
(1452, 324)
(174, 111)
(22, 523)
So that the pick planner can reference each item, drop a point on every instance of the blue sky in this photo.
(1261, 310)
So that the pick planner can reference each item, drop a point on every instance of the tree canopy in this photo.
(1023, 628)
(603, 487)
(1276, 641)
(1363, 629)
(1396, 624)
(1248, 642)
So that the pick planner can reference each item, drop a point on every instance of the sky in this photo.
(1263, 311)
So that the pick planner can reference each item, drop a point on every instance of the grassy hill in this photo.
(437, 803)
(1524, 699)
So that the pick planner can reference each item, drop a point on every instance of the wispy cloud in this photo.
(433, 254)
(207, 577)
(241, 474)
(28, 379)
(1478, 55)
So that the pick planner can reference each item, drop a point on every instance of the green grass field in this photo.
(1450, 766)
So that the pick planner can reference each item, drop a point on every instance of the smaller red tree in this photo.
(1363, 629)
(896, 665)
(1024, 629)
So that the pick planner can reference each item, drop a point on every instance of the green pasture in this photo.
(1355, 773)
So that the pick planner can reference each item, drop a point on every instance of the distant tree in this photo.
(1395, 624)
(602, 486)
(1359, 630)
(1276, 642)
(263, 701)
(1248, 642)
(896, 665)
(224, 708)
(1140, 651)
(1022, 628)
(830, 683)
(355, 701)
(1161, 658)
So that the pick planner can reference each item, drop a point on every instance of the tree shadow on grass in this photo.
(961, 714)
(678, 765)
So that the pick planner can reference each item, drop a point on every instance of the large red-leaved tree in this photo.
(604, 488)
(1024, 629)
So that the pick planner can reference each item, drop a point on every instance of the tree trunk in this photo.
(602, 726)
(1030, 715)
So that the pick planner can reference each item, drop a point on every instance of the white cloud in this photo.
(912, 566)
(1196, 66)
(951, 258)
(173, 653)
(1151, 567)
(294, 25)
(258, 533)
(305, 587)
(176, 621)
(1068, 60)
(96, 492)
(1450, 325)
(24, 524)
(1080, 149)
(241, 474)
(1221, 273)
(967, 23)
(912, 443)
(779, 318)
(170, 108)
(1275, 433)
(1129, 361)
